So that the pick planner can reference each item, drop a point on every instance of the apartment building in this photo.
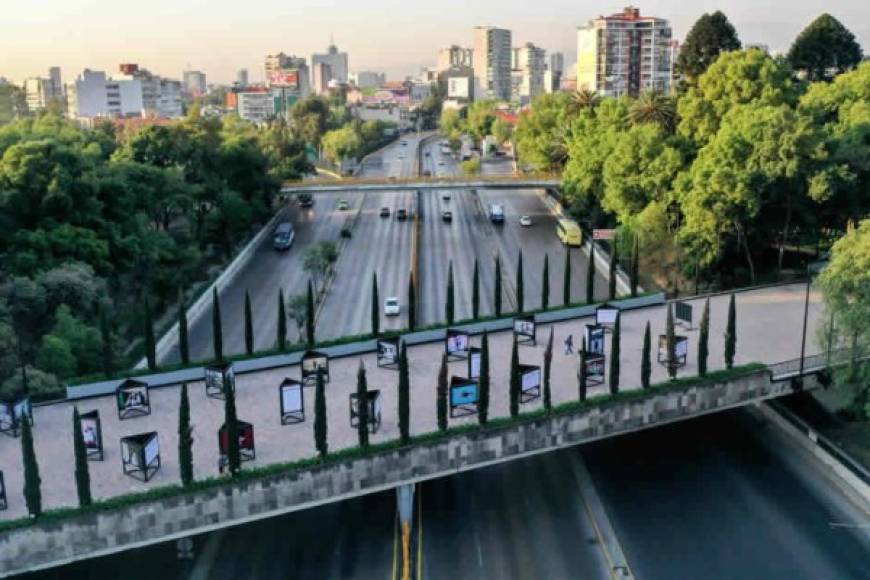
(453, 56)
(161, 97)
(93, 94)
(491, 60)
(528, 69)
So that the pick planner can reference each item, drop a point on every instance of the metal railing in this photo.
(814, 364)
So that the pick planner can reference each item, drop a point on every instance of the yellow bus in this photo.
(569, 232)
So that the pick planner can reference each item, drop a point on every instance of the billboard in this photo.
(458, 87)
(284, 77)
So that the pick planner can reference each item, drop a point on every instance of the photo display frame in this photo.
(247, 448)
(681, 350)
(474, 357)
(132, 399)
(388, 353)
(464, 397)
(312, 362)
(594, 335)
(373, 403)
(606, 315)
(13, 413)
(530, 383)
(140, 455)
(595, 368)
(457, 344)
(525, 329)
(291, 397)
(92, 434)
(683, 313)
(218, 378)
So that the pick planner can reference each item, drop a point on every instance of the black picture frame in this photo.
(291, 398)
(140, 455)
(4, 504)
(247, 444)
(374, 410)
(218, 377)
(310, 363)
(474, 358)
(464, 397)
(92, 434)
(681, 348)
(606, 315)
(457, 344)
(595, 368)
(594, 334)
(133, 399)
(388, 353)
(13, 413)
(683, 313)
(530, 383)
(525, 329)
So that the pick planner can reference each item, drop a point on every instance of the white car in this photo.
(525, 221)
(391, 307)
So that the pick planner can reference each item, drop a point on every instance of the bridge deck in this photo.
(442, 182)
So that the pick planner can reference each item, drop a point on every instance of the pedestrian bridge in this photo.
(425, 183)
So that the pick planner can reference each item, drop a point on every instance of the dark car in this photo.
(283, 236)
(401, 214)
(447, 216)
(305, 200)
(385, 212)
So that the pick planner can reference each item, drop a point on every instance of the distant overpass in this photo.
(459, 182)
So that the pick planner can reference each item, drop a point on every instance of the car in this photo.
(404, 143)
(447, 216)
(401, 214)
(445, 196)
(525, 221)
(440, 162)
(385, 212)
(391, 306)
(283, 236)
(343, 205)
(427, 173)
(427, 154)
(305, 199)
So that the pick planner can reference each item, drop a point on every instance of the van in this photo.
(283, 237)
(569, 232)
(496, 214)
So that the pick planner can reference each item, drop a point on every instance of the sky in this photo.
(395, 36)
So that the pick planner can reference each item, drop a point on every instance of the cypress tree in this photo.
(520, 285)
(731, 334)
(234, 457)
(404, 395)
(671, 344)
(309, 316)
(320, 424)
(497, 292)
(449, 304)
(514, 385)
(475, 292)
(590, 277)
(83, 478)
(216, 326)
(614, 356)
(106, 344)
(183, 346)
(282, 321)
(441, 394)
(412, 303)
(545, 283)
(32, 481)
(548, 363)
(703, 339)
(376, 306)
(362, 428)
(566, 282)
(483, 380)
(150, 343)
(611, 276)
(635, 267)
(581, 373)
(249, 325)
(645, 362)
(185, 438)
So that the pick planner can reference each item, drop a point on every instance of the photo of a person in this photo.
(89, 435)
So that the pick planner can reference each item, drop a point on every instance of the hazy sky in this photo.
(221, 36)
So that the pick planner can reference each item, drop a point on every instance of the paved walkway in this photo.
(768, 330)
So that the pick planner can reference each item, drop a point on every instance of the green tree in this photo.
(590, 276)
(231, 422)
(655, 108)
(217, 326)
(375, 306)
(321, 440)
(483, 380)
(185, 439)
(824, 49)
(32, 481)
(412, 303)
(475, 292)
(404, 395)
(548, 363)
(83, 478)
(545, 283)
(711, 35)
(520, 285)
(496, 298)
(362, 406)
(183, 345)
(56, 356)
(645, 362)
(249, 325)
(613, 378)
(581, 372)
(309, 316)
(342, 144)
(671, 343)
(282, 322)
(731, 333)
(449, 303)
(150, 342)
(703, 339)
(542, 132)
(514, 385)
(502, 131)
(441, 394)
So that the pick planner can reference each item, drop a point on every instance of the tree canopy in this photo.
(711, 35)
(824, 49)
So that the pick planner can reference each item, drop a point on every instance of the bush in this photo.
(470, 167)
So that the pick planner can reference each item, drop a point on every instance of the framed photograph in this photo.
(373, 403)
(524, 329)
(132, 399)
(388, 353)
(13, 413)
(681, 350)
(474, 362)
(530, 383)
(140, 455)
(218, 378)
(292, 400)
(464, 397)
(595, 368)
(312, 362)
(594, 335)
(245, 432)
(92, 434)
(456, 344)
(606, 315)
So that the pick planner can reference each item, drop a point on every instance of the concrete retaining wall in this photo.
(49, 544)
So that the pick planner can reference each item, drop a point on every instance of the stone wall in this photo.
(52, 543)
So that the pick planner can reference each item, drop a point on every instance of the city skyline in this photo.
(189, 37)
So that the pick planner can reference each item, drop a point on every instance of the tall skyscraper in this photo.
(453, 56)
(529, 63)
(624, 54)
(337, 62)
(492, 63)
(556, 72)
(242, 77)
(194, 82)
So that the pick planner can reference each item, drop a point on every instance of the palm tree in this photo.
(654, 107)
(583, 99)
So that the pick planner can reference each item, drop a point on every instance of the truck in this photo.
(496, 214)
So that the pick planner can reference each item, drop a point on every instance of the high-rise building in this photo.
(556, 72)
(255, 104)
(39, 91)
(529, 64)
(366, 79)
(242, 77)
(92, 94)
(161, 97)
(337, 62)
(492, 63)
(321, 74)
(453, 56)
(194, 82)
(624, 54)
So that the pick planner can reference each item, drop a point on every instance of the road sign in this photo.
(603, 234)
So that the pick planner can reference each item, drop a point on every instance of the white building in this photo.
(93, 95)
(529, 65)
(492, 63)
(453, 56)
(321, 75)
(366, 78)
(256, 106)
(397, 114)
(161, 97)
(337, 62)
(39, 91)
(624, 54)
(194, 82)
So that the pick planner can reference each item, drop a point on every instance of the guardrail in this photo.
(519, 182)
